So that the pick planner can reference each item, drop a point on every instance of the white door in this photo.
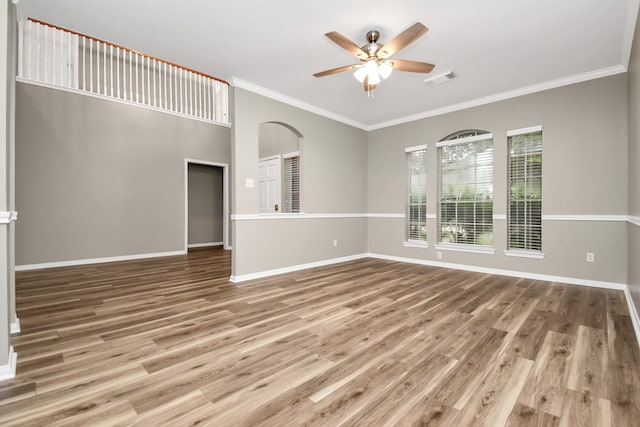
(269, 185)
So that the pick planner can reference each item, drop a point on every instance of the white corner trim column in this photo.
(15, 325)
(7, 218)
(8, 371)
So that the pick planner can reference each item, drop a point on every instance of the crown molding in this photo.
(277, 96)
(629, 31)
(526, 90)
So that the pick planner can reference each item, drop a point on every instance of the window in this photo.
(525, 189)
(291, 183)
(466, 188)
(416, 215)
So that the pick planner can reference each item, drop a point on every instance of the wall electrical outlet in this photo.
(591, 257)
(439, 255)
(335, 243)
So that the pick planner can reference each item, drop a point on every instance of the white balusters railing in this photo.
(59, 57)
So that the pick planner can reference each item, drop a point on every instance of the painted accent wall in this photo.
(97, 178)
(584, 174)
(333, 178)
(634, 169)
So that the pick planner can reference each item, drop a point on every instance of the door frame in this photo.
(225, 200)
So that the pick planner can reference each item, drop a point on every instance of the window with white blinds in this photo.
(291, 199)
(525, 189)
(466, 189)
(416, 209)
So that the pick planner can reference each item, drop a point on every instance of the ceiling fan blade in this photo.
(347, 44)
(402, 40)
(411, 66)
(335, 70)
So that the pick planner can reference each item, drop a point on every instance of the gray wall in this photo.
(333, 164)
(275, 139)
(97, 178)
(584, 173)
(205, 204)
(634, 168)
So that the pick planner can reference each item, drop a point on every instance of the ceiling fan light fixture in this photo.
(375, 64)
(385, 69)
(371, 66)
(374, 77)
(360, 73)
(371, 71)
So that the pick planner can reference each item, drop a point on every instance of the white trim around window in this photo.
(415, 244)
(524, 253)
(416, 203)
(458, 247)
(292, 154)
(474, 138)
(415, 148)
(523, 131)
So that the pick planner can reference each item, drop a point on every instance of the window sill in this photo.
(524, 254)
(465, 248)
(415, 244)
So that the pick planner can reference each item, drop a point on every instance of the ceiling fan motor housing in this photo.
(373, 46)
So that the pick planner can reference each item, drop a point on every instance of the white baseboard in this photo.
(501, 272)
(496, 271)
(268, 273)
(26, 267)
(8, 371)
(635, 319)
(15, 326)
(204, 245)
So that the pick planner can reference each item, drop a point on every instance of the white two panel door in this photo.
(269, 184)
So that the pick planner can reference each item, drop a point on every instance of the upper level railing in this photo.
(60, 57)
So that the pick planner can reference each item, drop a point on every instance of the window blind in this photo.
(466, 190)
(525, 189)
(291, 183)
(416, 209)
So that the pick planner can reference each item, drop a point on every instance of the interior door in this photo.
(269, 185)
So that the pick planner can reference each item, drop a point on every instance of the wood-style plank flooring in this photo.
(170, 341)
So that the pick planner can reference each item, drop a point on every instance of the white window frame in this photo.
(287, 196)
(461, 247)
(409, 241)
(520, 252)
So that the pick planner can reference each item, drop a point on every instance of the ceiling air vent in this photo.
(440, 78)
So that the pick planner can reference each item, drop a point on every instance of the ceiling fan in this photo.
(375, 64)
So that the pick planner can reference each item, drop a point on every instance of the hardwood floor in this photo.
(169, 341)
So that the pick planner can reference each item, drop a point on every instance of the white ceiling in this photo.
(497, 48)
